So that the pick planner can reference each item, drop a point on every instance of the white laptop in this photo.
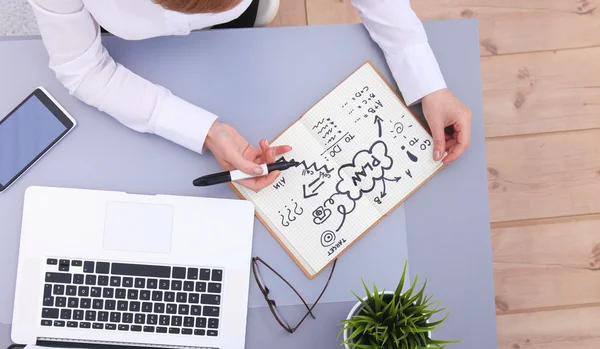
(110, 268)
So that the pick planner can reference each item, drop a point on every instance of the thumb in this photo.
(246, 166)
(439, 141)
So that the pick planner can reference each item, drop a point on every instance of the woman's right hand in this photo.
(232, 151)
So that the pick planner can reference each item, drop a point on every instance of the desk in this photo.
(275, 75)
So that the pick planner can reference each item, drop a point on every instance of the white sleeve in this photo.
(395, 27)
(82, 64)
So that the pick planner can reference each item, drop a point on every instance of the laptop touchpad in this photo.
(138, 227)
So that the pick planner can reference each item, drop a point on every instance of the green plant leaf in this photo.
(355, 333)
(441, 342)
(419, 295)
(367, 292)
(402, 278)
(378, 298)
(364, 304)
(399, 320)
(408, 294)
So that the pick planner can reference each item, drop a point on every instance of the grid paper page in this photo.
(361, 153)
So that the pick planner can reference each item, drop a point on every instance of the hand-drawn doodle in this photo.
(324, 127)
(374, 108)
(303, 163)
(410, 155)
(280, 183)
(383, 192)
(311, 185)
(336, 148)
(319, 123)
(343, 205)
(297, 208)
(371, 96)
(327, 238)
(336, 246)
(283, 221)
(328, 130)
(426, 143)
(289, 215)
(378, 121)
(398, 128)
(408, 173)
(367, 167)
(321, 214)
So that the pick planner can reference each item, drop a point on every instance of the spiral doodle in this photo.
(327, 238)
(398, 127)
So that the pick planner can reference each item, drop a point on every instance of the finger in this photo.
(281, 149)
(249, 183)
(451, 156)
(463, 138)
(453, 153)
(267, 155)
(439, 141)
(259, 183)
(277, 150)
(239, 162)
(267, 180)
(450, 143)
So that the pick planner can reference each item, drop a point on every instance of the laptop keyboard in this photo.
(108, 296)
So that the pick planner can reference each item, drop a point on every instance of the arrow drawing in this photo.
(378, 121)
(382, 194)
(313, 193)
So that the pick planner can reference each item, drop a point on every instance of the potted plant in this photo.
(392, 320)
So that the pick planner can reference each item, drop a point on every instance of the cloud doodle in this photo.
(367, 167)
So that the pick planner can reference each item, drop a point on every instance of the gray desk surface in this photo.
(274, 75)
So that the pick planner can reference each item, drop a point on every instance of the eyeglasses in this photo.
(273, 305)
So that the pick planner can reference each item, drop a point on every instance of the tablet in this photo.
(28, 132)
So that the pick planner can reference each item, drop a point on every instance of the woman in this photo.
(71, 30)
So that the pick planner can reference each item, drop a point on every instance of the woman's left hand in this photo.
(232, 151)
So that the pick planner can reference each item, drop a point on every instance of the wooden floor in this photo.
(541, 89)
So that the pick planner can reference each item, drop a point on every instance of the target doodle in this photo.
(327, 238)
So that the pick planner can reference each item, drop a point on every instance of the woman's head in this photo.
(198, 6)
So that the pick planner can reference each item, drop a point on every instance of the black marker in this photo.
(236, 175)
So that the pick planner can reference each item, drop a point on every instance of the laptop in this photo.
(116, 269)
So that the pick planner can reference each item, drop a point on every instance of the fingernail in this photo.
(267, 143)
(258, 170)
(436, 155)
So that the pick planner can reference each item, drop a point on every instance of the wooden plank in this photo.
(547, 265)
(560, 329)
(512, 26)
(547, 175)
(291, 13)
(331, 12)
(541, 92)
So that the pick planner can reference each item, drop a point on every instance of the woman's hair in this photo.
(198, 6)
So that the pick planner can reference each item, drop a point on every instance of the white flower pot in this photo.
(354, 311)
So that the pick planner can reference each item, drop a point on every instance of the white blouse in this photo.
(70, 30)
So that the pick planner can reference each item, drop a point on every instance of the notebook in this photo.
(361, 153)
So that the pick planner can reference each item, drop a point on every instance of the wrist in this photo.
(211, 135)
(434, 95)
